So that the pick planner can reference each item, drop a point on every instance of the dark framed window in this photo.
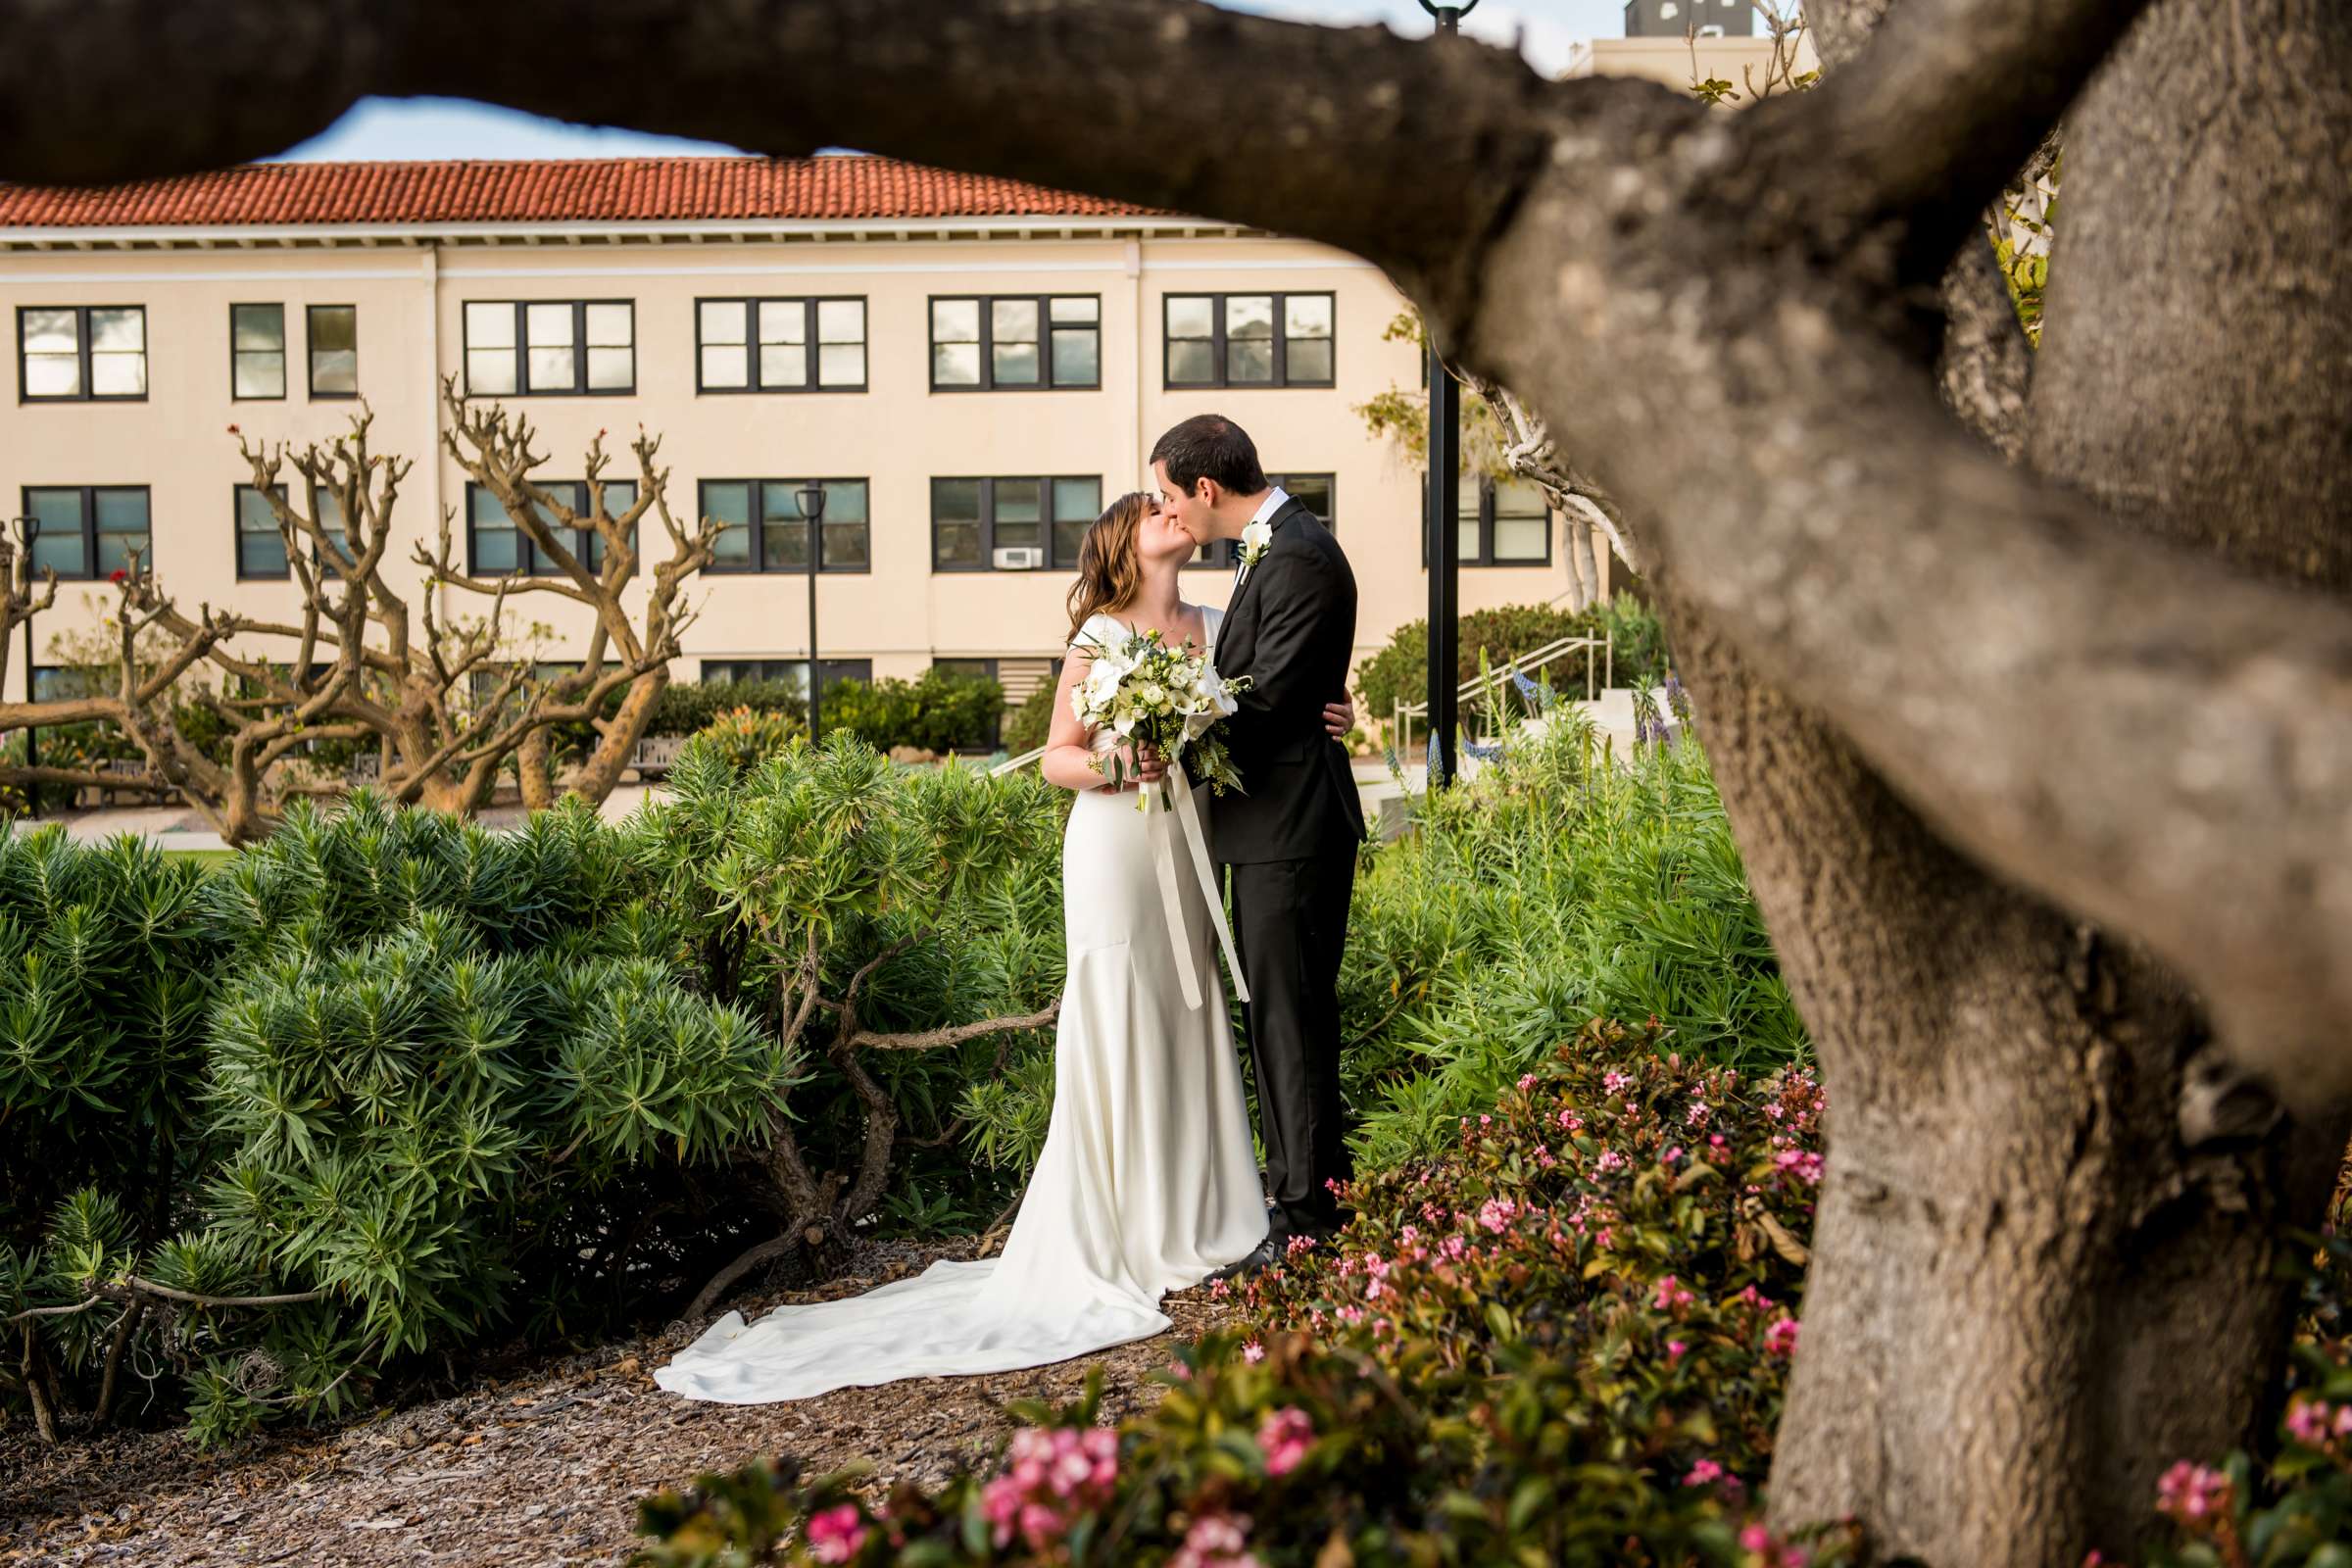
(1247, 339)
(82, 353)
(257, 352)
(551, 348)
(1319, 491)
(762, 529)
(1499, 523)
(56, 682)
(332, 335)
(89, 531)
(1016, 524)
(793, 673)
(780, 345)
(482, 683)
(496, 548)
(262, 548)
(1025, 342)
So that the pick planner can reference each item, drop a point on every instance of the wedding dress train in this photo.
(1148, 1181)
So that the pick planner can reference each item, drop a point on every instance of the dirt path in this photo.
(542, 1468)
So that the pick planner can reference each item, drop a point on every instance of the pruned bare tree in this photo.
(2042, 769)
(359, 662)
(493, 448)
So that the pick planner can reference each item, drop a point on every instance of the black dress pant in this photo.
(1289, 925)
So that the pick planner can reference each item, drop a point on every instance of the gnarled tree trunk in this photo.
(2046, 1193)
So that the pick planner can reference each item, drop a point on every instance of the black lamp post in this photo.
(810, 497)
(28, 530)
(1444, 558)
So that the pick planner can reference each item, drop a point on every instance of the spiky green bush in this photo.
(104, 958)
(446, 1077)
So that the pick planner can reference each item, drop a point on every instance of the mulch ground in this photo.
(544, 1468)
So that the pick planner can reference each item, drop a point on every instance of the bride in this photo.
(1149, 1181)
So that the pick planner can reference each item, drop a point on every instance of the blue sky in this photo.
(449, 128)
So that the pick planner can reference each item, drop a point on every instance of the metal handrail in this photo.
(1016, 764)
(1520, 665)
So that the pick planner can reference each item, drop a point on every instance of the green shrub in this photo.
(105, 966)
(448, 1076)
(1399, 672)
(1558, 883)
(1027, 726)
(744, 735)
(1563, 1339)
(826, 890)
(943, 711)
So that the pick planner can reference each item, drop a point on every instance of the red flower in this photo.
(117, 575)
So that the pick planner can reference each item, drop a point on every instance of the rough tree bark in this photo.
(2043, 770)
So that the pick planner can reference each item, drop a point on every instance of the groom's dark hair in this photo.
(1210, 446)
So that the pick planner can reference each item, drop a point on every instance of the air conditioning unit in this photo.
(1019, 558)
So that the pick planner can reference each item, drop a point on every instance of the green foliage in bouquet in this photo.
(1545, 1343)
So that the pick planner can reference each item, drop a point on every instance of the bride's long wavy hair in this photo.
(1110, 572)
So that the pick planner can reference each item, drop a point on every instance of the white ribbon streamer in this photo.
(1180, 797)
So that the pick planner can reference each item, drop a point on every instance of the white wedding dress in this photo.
(1148, 1182)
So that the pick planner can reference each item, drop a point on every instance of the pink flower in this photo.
(1216, 1541)
(2190, 1492)
(1609, 1160)
(1805, 1166)
(1781, 1338)
(1670, 1155)
(1676, 1350)
(1527, 1081)
(1615, 1083)
(1299, 1244)
(1285, 1436)
(2307, 1423)
(1253, 1353)
(1571, 1121)
(1496, 1214)
(1671, 1296)
(1705, 1473)
(835, 1535)
(1696, 1115)
(1409, 1235)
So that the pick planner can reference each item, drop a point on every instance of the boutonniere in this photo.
(1254, 540)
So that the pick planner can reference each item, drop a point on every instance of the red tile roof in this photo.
(548, 190)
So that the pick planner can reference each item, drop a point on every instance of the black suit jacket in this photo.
(1291, 628)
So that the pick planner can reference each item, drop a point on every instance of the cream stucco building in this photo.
(974, 365)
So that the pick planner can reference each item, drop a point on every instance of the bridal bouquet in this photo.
(1152, 695)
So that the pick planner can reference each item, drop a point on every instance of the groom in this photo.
(1291, 839)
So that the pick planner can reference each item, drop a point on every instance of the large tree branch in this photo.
(1932, 118)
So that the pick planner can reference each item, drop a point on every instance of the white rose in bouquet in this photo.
(1165, 697)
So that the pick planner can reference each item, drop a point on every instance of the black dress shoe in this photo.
(1259, 1256)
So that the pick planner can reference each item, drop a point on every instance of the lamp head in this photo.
(810, 499)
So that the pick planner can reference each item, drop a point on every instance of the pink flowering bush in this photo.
(1520, 1351)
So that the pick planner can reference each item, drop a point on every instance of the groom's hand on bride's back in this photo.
(1340, 717)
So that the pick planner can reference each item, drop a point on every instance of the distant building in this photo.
(1668, 18)
(972, 367)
